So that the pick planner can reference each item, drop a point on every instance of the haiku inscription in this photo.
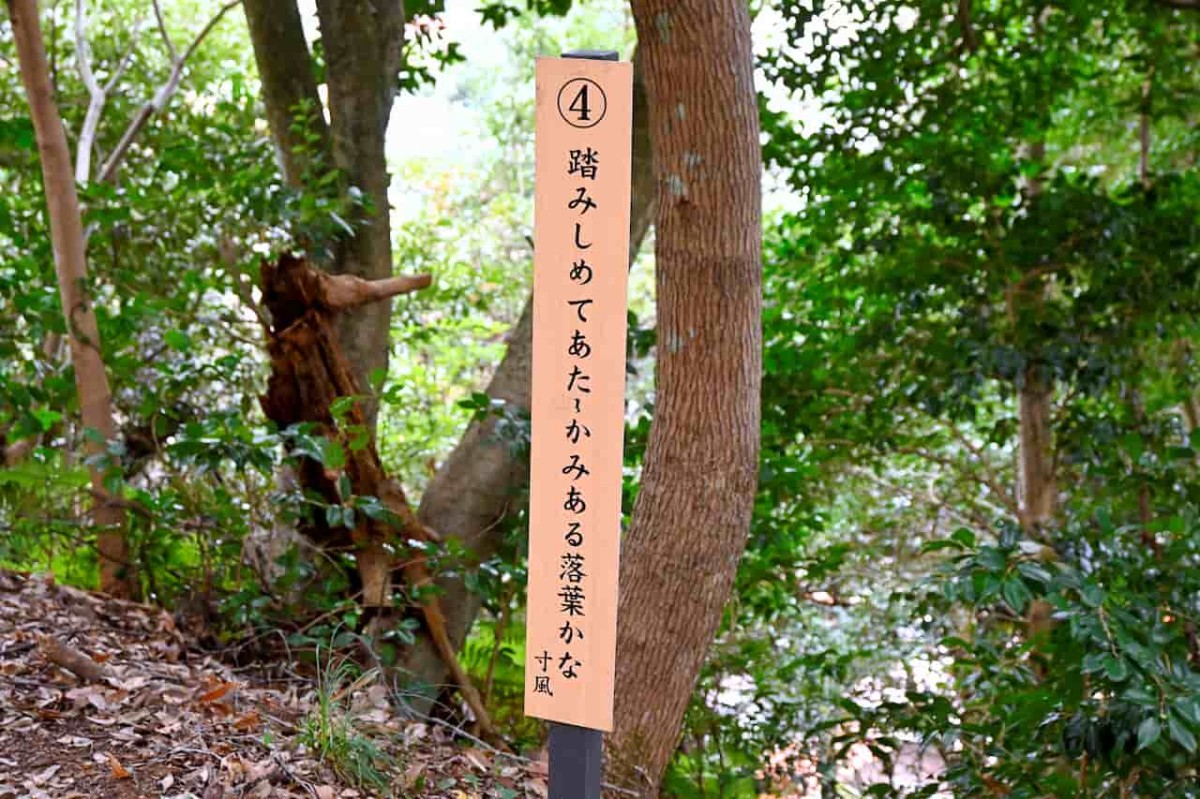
(581, 252)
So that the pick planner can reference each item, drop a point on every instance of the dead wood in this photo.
(309, 373)
(71, 659)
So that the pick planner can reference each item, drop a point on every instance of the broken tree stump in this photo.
(310, 380)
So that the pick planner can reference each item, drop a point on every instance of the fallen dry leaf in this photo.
(118, 771)
(247, 721)
(218, 693)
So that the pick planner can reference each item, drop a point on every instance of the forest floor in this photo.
(101, 698)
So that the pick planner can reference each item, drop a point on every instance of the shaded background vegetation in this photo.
(971, 205)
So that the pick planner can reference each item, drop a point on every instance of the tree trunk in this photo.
(481, 484)
(309, 374)
(692, 515)
(362, 44)
(288, 84)
(1039, 492)
(362, 41)
(1038, 497)
(70, 262)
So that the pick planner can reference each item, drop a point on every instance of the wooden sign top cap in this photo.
(593, 55)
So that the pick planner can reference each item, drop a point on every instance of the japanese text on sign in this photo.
(581, 244)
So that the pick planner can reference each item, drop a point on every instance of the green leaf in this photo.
(178, 340)
(333, 457)
(1180, 733)
(1188, 708)
(1148, 732)
(964, 537)
(340, 407)
(1092, 595)
(1115, 668)
(46, 418)
(1016, 594)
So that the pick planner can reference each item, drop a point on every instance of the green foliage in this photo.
(970, 213)
(964, 205)
(331, 732)
(494, 657)
(498, 14)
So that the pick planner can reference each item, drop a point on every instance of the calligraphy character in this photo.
(575, 502)
(567, 665)
(575, 468)
(572, 600)
(585, 163)
(572, 568)
(581, 272)
(582, 200)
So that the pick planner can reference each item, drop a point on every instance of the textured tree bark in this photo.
(362, 44)
(362, 41)
(309, 373)
(1039, 493)
(70, 261)
(692, 515)
(481, 483)
(286, 70)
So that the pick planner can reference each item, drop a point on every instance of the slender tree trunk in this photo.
(1039, 491)
(481, 485)
(692, 515)
(70, 261)
(1038, 497)
(362, 40)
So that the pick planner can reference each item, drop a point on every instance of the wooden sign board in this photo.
(581, 266)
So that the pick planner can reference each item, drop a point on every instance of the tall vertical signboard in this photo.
(581, 246)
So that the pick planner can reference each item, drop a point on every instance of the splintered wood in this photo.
(309, 376)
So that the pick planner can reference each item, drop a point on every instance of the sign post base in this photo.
(576, 761)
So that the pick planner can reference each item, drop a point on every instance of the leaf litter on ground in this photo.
(107, 699)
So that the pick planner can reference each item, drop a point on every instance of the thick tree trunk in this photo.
(481, 484)
(692, 515)
(70, 262)
(309, 374)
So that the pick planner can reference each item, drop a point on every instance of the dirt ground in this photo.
(101, 698)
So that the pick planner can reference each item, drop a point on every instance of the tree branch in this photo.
(970, 43)
(161, 97)
(1144, 129)
(983, 477)
(97, 94)
(347, 291)
(162, 29)
(96, 97)
(938, 504)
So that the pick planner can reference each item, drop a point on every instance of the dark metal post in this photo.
(575, 762)
(576, 753)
